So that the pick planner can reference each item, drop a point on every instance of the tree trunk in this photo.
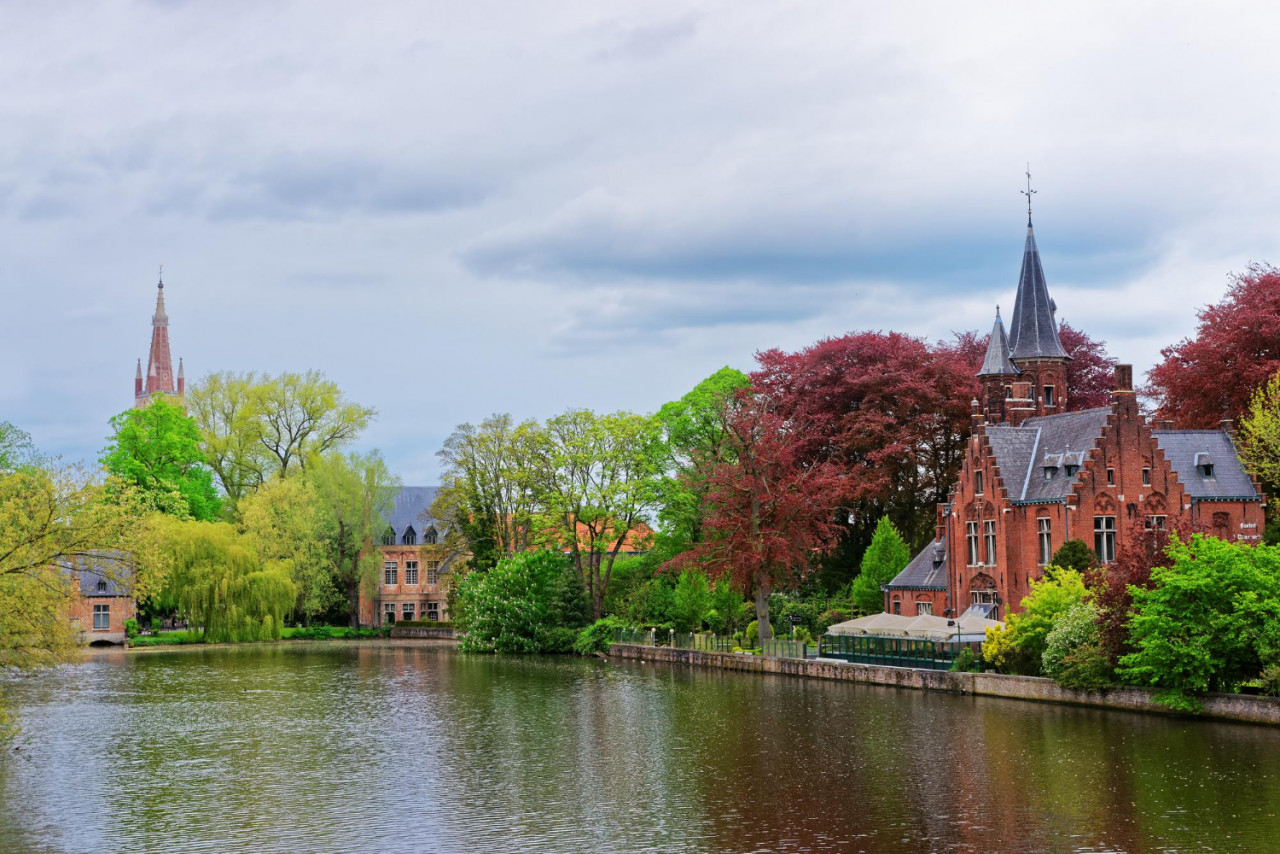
(353, 596)
(762, 610)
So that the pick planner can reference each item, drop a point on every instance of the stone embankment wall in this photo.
(1234, 707)
(422, 632)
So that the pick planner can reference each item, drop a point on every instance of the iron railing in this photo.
(895, 652)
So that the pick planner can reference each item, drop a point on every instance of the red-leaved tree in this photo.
(888, 410)
(770, 512)
(1236, 348)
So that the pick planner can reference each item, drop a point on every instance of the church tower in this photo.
(1026, 375)
(159, 377)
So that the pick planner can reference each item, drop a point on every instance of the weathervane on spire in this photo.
(1028, 193)
(162, 275)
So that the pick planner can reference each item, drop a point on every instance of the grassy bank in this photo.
(290, 633)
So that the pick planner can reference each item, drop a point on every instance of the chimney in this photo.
(1228, 426)
(975, 416)
(1124, 378)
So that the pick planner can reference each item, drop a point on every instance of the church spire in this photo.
(159, 376)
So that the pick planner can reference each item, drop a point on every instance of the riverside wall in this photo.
(1232, 707)
(422, 633)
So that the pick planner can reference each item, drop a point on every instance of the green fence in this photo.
(787, 648)
(895, 652)
(706, 641)
(638, 637)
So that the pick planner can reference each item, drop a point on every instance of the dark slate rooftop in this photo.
(1050, 440)
(1183, 447)
(1032, 331)
(997, 361)
(410, 508)
(105, 567)
(927, 570)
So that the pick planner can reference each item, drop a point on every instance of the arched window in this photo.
(430, 536)
(389, 536)
(410, 537)
(102, 585)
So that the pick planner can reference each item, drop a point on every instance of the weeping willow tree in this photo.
(217, 582)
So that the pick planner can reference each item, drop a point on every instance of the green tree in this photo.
(356, 491)
(16, 449)
(881, 562)
(516, 607)
(597, 480)
(690, 601)
(1075, 555)
(219, 584)
(256, 426)
(288, 527)
(696, 437)
(157, 448)
(1050, 598)
(1260, 434)
(1211, 621)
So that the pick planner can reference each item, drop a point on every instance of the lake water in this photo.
(395, 747)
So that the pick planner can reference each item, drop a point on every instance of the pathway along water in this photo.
(401, 747)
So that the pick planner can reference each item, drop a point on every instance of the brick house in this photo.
(412, 582)
(1035, 476)
(101, 600)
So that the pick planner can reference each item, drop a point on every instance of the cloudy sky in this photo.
(461, 208)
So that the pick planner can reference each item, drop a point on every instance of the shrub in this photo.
(1073, 554)
(1087, 667)
(1028, 630)
(131, 628)
(1074, 627)
(752, 636)
(598, 636)
(521, 605)
(967, 662)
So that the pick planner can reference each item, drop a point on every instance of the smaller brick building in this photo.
(101, 599)
(413, 579)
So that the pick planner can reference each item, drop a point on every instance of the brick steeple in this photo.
(159, 377)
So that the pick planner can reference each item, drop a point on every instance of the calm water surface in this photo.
(387, 747)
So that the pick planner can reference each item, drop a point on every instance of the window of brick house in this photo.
(101, 586)
(1155, 523)
(406, 611)
(1045, 533)
(990, 537)
(897, 607)
(977, 483)
(430, 537)
(410, 572)
(433, 571)
(389, 536)
(101, 618)
(1146, 477)
(971, 534)
(410, 537)
(389, 612)
(433, 611)
(924, 607)
(1111, 477)
(1104, 538)
(1048, 395)
(389, 573)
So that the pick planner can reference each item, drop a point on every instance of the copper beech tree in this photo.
(770, 509)
(1236, 348)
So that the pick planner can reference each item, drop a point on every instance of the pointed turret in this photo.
(997, 363)
(182, 382)
(1033, 332)
(137, 382)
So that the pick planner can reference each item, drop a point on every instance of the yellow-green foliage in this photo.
(1260, 432)
(1020, 647)
(219, 584)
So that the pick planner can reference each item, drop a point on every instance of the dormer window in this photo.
(1204, 464)
(101, 586)
(1071, 470)
(410, 537)
(389, 536)
(1049, 472)
(430, 537)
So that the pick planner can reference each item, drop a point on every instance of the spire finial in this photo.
(162, 276)
(1028, 193)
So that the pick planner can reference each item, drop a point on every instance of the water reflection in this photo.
(396, 747)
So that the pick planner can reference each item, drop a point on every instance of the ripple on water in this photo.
(390, 747)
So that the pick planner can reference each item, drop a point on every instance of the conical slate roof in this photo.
(1032, 331)
(997, 361)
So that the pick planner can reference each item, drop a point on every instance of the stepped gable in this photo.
(410, 509)
(1187, 450)
(1033, 332)
(1023, 452)
(926, 571)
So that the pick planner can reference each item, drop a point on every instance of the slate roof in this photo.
(927, 570)
(1022, 452)
(1033, 333)
(108, 567)
(997, 361)
(1183, 447)
(409, 508)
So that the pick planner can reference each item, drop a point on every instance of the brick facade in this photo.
(414, 598)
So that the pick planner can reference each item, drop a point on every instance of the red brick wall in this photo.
(81, 609)
(372, 608)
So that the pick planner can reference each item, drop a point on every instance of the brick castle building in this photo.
(412, 582)
(1035, 475)
(159, 378)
